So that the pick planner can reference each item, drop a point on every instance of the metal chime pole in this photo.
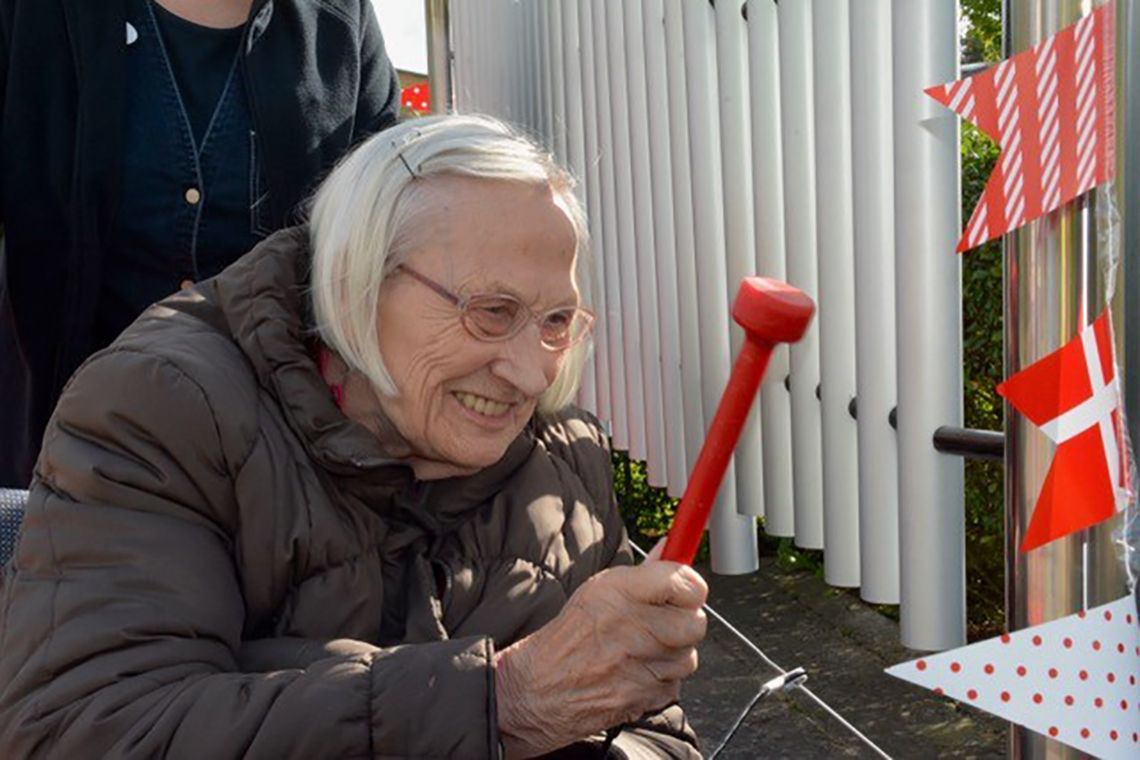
(1054, 287)
(931, 521)
(439, 54)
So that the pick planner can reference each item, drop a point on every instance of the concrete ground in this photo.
(797, 620)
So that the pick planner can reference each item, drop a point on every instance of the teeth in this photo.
(481, 405)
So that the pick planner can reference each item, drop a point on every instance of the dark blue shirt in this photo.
(190, 182)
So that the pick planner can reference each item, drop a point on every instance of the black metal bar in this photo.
(970, 443)
(964, 442)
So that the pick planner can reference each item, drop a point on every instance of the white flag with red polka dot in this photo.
(1074, 679)
(416, 97)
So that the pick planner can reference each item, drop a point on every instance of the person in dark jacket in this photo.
(334, 502)
(147, 144)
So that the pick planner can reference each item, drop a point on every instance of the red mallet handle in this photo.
(770, 312)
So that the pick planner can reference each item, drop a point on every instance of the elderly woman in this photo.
(332, 502)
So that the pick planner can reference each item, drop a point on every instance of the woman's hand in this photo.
(619, 649)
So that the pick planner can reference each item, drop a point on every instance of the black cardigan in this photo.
(318, 80)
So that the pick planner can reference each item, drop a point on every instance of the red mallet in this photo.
(770, 312)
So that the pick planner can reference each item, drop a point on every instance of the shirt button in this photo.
(186, 284)
(193, 195)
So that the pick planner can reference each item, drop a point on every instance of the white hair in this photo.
(360, 227)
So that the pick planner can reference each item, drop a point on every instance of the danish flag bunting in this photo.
(1052, 110)
(1073, 395)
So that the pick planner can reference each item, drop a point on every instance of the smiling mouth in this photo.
(482, 405)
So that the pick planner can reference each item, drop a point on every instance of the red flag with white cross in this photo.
(1073, 396)
(1052, 111)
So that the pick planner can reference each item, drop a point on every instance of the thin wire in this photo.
(782, 682)
(764, 691)
(843, 721)
(756, 650)
(771, 663)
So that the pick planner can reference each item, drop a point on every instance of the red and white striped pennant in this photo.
(1051, 109)
(1048, 116)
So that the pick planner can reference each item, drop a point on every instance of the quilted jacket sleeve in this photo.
(664, 734)
(121, 616)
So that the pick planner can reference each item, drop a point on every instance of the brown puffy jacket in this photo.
(217, 563)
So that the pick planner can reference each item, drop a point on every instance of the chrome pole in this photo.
(1054, 287)
(436, 13)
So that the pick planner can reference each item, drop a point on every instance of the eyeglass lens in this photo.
(499, 317)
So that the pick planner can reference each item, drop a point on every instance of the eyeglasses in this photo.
(495, 317)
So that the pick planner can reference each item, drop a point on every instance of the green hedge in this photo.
(982, 321)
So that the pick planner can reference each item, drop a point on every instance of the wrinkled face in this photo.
(461, 401)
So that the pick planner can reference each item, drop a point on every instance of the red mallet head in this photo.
(772, 311)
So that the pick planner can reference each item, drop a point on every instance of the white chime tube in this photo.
(590, 177)
(529, 25)
(609, 241)
(606, 242)
(831, 60)
(519, 61)
(665, 243)
(732, 536)
(497, 68)
(546, 76)
(575, 132)
(625, 251)
(645, 251)
(483, 57)
(873, 151)
(796, 109)
(683, 227)
(464, 54)
(557, 80)
(739, 235)
(768, 212)
(931, 515)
